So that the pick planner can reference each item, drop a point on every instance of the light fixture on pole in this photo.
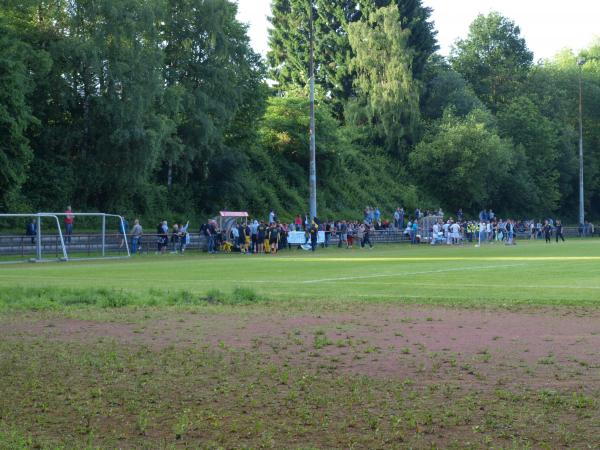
(580, 63)
(312, 178)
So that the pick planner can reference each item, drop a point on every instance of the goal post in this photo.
(103, 234)
(38, 238)
(38, 242)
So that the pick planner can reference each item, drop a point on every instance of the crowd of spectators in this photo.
(271, 235)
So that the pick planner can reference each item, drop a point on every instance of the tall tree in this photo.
(463, 163)
(288, 40)
(387, 96)
(494, 58)
(522, 122)
(19, 63)
(213, 79)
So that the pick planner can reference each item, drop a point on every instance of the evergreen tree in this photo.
(386, 103)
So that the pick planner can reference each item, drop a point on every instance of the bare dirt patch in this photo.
(538, 347)
(375, 376)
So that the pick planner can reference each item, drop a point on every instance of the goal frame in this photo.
(65, 253)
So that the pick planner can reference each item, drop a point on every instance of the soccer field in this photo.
(395, 347)
(531, 273)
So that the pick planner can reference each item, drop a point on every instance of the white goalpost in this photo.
(60, 243)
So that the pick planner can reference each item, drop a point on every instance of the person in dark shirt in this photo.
(547, 231)
(31, 230)
(261, 232)
(366, 236)
(314, 235)
(241, 239)
(274, 238)
(559, 231)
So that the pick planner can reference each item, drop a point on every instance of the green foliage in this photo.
(463, 162)
(446, 88)
(387, 96)
(289, 42)
(161, 107)
(350, 175)
(522, 121)
(17, 61)
(494, 58)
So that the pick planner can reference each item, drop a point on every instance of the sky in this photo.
(547, 25)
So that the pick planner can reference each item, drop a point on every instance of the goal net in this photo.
(50, 236)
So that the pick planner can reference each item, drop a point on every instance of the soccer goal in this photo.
(44, 236)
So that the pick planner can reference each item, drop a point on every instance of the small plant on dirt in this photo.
(142, 422)
(484, 355)
(547, 359)
(182, 425)
(405, 351)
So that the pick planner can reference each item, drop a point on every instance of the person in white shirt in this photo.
(446, 228)
(482, 233)
(436, 233)
(455, 232)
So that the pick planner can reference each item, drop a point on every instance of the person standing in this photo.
(69, 219)
(327, 233)
(397, 219)
(162, 238)
(136, 236)
(241, 237)
(547, 231)
(298, 222)
(31, 230)
(274, 238)
(349, 235)
(482, 232)
(413, 231)
(261, 233)
(184, 237)
(254, 237)
(366, 236)
(559, 231)
(455, 233)
(314, 235)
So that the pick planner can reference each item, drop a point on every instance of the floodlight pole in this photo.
(581, 62)
(313, 163)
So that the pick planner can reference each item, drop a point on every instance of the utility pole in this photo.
(313, 162)
(581, 62)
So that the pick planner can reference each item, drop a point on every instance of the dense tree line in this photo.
(161, 107)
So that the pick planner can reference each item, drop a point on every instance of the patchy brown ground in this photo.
(368, 376)
(538, 347)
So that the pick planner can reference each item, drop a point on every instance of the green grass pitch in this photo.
(530, 273)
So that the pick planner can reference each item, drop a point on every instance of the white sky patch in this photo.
(547, 25)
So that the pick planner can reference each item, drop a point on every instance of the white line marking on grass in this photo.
(402, 274)
(442, 258)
